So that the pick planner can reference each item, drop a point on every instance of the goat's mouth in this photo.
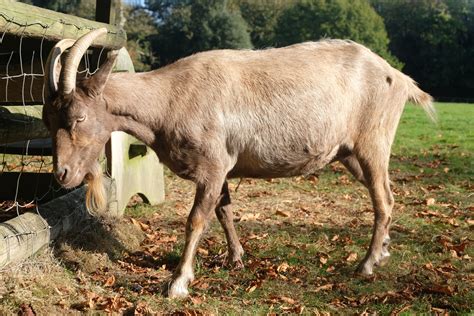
(72, 180)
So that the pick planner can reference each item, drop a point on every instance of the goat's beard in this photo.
(96, 198)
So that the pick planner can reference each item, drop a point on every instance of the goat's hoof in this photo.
(384, 259)
(236, 264)
(364, 269)
(178, 293)
(178, 289)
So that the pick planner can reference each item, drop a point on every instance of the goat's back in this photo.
(284, 111)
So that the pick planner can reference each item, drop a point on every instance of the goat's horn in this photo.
(53, 67)
(68, 73)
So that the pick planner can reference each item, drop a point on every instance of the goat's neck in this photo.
(137, 103)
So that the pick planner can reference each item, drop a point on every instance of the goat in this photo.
(278, 112)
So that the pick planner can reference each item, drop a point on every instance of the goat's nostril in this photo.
(61, 173)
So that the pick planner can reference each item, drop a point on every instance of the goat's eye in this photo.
(81, 118)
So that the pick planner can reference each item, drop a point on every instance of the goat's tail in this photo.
(421, 98)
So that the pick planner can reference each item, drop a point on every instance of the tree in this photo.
(139, 25)
(261, 16)
(316, 19)
(435, 40)
(185, 29)
(82, 8)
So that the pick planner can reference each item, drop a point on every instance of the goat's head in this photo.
(75, 114)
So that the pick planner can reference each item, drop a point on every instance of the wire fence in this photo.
(25, 149)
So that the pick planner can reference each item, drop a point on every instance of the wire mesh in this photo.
(22, 72)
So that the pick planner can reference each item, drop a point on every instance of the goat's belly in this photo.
(288, 164)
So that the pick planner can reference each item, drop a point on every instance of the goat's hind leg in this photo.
(226, 218)
(352, 164)
(375, 169)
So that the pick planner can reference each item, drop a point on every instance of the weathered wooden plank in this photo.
(24, 235)
(30, 21)
(19, 123)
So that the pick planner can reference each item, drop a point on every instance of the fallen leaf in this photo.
(142, 309)
(351, 257)
(62, 303)
(430, 201)
(110, 281)
(172, 238)
(287, 300)
(203, 252)
(441, 289)
(196, 300)
(460, 248)
(249, 217)
(282, 213)
(26, 310)
(452, 222)
(283, 267)
(250, 289)
(325, 287)
(139, 224)
(257, 237)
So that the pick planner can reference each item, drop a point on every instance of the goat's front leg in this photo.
(226, 218)
(207, 198)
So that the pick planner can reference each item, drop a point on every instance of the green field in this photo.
(303, 238)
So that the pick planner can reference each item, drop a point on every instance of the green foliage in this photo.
(203, 25)
(316, 19)
(139, 24)
(81, 8)
(262, 16)
(435, 39)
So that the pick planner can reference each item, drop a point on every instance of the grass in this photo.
(302, 263)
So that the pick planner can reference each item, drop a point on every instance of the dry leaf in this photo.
(325, 287)
(257, 237)
(62, 303)
(173, 238)
(283, 267)
(249, 217)
(282, 213)
(441, 289)
(26, 310)
(203, 252)
(287, 300)
(250, 289)
(430, 201)
(140, 225)
(110, 281)
(351, 257)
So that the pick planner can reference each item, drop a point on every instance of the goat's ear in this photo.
(96, 84)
